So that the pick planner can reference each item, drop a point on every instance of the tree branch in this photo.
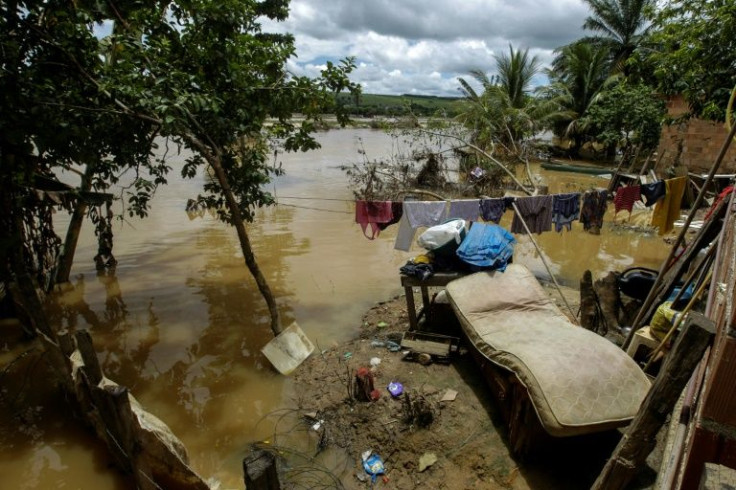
(486, 155)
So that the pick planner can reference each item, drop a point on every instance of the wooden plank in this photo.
(640, 438)
(717, 477)
(438, 279)
(720, 397)
(411, 307)
(668, 280)
(703, 447)
(426, 346)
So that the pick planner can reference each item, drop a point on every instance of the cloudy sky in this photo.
(422, 46)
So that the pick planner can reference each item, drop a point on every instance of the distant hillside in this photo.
(400, 105)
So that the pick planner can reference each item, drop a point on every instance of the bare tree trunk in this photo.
(66, 259)
(245, 246)
(32, 303)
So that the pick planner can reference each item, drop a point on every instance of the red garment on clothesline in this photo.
(373, 214)
(626, 197)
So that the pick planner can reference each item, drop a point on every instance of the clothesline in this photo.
(313, 209)
(315, 198)
(538, 212)
(665, 195)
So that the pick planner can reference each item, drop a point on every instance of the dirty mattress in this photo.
(578, 381)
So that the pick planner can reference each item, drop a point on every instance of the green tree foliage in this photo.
(505, 112)
(626, 116)
(201, 73)
(696, 53)
(621, 27)
(578, 74)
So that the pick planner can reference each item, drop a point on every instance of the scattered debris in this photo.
(417, 410)
(393, 346)
(449, 396)
(426, 347)
(395, 388)
(363, 385)
(426, 460)
(373, 465)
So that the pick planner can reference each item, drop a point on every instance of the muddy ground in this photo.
(465, 436)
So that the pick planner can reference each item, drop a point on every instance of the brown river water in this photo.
(181, 323)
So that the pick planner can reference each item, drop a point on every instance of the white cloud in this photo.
(422, 46)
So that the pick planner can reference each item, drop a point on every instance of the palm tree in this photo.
(504, 112)
(481, 111)
(621, 26)
(515, 73)
(578, 73)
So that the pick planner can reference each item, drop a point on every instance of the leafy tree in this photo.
(621, 26)
(202, 74)
(505, 112)
(696, 53)
(578, 73)
(515, 73)
(626, 116)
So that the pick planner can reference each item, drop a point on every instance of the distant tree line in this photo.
(371, 105)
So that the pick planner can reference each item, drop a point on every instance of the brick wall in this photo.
(701, 141)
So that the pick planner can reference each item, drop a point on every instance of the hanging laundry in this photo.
(416, 214)
(536, 212)
(425, 213)
(625, 197)
(492, 209)
(653, 192)
(467, 209)
(371, 214)
(565, 210)
(405, 235)
(667, 210)
(487, 247)
(594, 207)
(397, 210)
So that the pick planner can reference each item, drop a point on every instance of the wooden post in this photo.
(665, 282)
(259, 471)
(66, 257)
(588, 308)
(609, 297)
(89, 356)
(639, 439)
(66, 343)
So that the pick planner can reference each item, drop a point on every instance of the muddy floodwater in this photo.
(181, 322)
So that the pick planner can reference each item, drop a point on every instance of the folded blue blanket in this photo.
(487, 246)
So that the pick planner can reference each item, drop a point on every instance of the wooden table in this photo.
(439, 279)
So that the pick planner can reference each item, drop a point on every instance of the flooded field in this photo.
(181, 323)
